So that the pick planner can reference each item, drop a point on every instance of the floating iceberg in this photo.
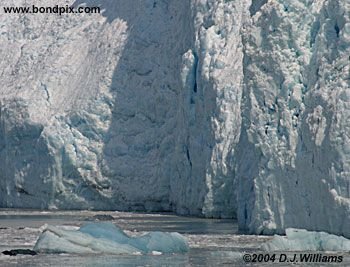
(107, 238)
(303, 240)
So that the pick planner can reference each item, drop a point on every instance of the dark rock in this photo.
(15, 252)
(103, 217)
(100, 217)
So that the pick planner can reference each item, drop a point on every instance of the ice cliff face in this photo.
(209, 115)
(88, 113)
(203, 107)
(295, 168)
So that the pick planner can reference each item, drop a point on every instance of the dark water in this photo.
(128, 221)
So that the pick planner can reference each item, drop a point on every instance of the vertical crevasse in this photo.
(212, 74)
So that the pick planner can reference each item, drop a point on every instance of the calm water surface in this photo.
(212, 242)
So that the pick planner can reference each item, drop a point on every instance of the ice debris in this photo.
(303, 240)
(107, 238)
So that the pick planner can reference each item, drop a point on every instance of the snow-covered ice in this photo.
(107, 238)
(303, 240)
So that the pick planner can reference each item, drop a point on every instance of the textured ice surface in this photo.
(303, 240)
(293, 168)
(206, 107)
(107, 238)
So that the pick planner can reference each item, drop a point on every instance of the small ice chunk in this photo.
(303, 240)
(107, 238)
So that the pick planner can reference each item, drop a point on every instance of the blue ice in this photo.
(107, 238)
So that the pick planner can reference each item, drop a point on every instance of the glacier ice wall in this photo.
(99, 96)
(209, 112)
(206, 107)
(295, 171)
